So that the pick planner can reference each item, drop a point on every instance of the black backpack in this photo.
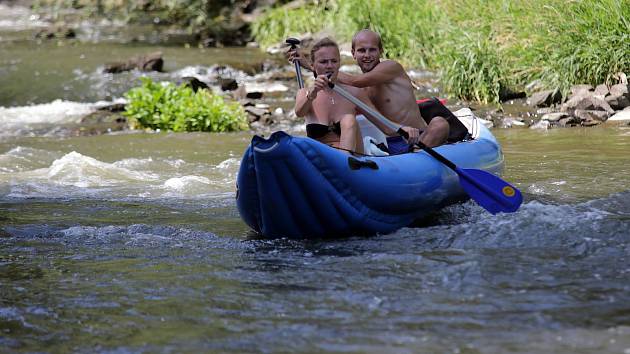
(432, 108)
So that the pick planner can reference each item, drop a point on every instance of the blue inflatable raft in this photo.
(296, 187)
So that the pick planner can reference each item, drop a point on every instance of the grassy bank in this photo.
(480, 47)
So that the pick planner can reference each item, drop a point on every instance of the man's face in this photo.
(366, 51)
(326, 61)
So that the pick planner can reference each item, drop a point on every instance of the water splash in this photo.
(83, 171)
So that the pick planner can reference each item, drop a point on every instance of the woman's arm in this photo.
(303, 102)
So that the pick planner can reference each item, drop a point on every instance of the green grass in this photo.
(478, 46)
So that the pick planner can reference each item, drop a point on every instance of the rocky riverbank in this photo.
(586, 106)
(265, 87)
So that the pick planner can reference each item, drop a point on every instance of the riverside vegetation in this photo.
(166, 106)
(483, 49)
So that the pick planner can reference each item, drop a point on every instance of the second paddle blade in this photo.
(489, 191)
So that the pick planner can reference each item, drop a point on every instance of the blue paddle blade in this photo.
(491, 192)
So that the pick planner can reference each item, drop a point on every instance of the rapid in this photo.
(131, 242)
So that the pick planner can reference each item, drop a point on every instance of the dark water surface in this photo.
(132, 242)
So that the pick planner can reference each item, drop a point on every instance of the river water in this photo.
(131, 242)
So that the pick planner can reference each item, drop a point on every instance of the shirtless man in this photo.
(330, 118)
(389, 87)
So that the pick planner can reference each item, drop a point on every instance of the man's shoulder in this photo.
(391, 64)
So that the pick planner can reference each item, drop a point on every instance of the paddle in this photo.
(489, 191)
(293, 42)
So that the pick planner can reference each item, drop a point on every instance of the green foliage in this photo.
(178, 108)
(472, 68)
(282, 23)
(592, 46)
(480, 46)
(191, 14)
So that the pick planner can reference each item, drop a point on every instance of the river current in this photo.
(131, 242)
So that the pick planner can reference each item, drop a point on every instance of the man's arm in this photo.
(385, 71)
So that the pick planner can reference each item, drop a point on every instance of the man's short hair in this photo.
(380, 42)
(324, 42)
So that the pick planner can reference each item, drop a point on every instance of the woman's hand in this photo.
(294, 54)
(321, 83)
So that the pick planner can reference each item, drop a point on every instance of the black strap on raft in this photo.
(434, 108)
(356, 164)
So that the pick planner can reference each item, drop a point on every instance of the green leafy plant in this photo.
(178, 108)
(480, 46)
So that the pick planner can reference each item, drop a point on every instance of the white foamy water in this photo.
(44, 118)
(33, 173)
(185, 183)
(230, 163)
(22, 158)
(58, 111)
(82, 171)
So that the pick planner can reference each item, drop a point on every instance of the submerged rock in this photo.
(147, 62)
(194, 83)
(101, 122)
(56, 32)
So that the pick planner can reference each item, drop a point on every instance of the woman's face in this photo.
(326, 61)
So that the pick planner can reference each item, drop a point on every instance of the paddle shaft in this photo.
(293, 42)
(367, 109)
(298, 72)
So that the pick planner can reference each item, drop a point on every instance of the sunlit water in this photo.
(132, 243)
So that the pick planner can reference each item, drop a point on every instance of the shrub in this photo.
(178, 108)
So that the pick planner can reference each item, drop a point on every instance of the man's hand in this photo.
(414, 135)
(294, 54)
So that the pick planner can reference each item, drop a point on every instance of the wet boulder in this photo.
(114, 107)
(589, 116)
(60, 32)
(545, 98)
(569, 122)
(194, 83)
(580, 89)
(100, 122)
(586, 101)
(554, 116)
(228, 84)
(255, 95)
(147, 62)
(620, 90)
(619, 97)
(260, 114)
(601, 90)
(506, 94)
